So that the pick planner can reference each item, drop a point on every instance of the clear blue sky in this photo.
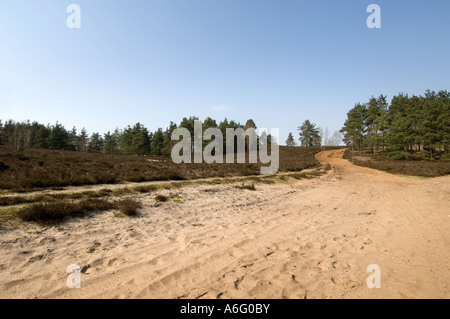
(277, 62)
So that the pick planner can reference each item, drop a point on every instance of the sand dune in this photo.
(312, 239)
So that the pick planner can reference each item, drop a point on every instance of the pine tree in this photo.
(207, 123)
(223, 128)
(111, 142)
(58, 138)
(290, 140)
(400, 134)
(73, 140)
(167, 144)
(188, 123)
(40, 137)
(443, 120)
(355, 127)
(125, 141)
(140, 140)
(83, 141)
(381, 122)
(95, 143)
(429, 126)
(309, 134)
(371, 117)
(158, 142)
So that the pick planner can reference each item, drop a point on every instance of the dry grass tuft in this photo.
(57, 211)
(128, 207)
(250, 187)
(161, 198)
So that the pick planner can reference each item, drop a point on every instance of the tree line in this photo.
(132, 140)
(311, 135)
(407, 124)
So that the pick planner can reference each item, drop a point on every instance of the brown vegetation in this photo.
(56, 169)
(56, 211)
(56, 207)
(35, 168)
(250, 187)
(161, 198)
(128, 206)
(414, 167)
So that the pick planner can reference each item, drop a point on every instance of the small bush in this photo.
(97, 204)
(161, 198)
(50, 211)
(398, 156)
(128, 206)
(56, 211)
(144, 188)
(250, 187)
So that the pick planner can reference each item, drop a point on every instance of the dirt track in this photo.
(313, 239)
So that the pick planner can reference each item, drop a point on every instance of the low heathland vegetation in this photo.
(406, 163)
(55, 207)
(38, 168)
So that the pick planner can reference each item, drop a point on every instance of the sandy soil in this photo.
(312, 239)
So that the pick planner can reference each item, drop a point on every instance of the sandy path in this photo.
(313, 239)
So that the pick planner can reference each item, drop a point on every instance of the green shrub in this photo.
(404, 156)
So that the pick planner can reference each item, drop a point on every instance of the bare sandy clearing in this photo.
(313, 239)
